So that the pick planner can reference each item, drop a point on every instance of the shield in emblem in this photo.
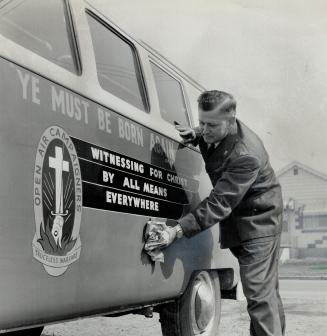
(57, 202)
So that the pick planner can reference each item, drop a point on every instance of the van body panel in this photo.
(111, 241)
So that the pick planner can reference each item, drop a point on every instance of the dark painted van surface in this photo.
(89, 154)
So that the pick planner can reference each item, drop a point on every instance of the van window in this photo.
(170, 95)
(117, 65)
(40, 26)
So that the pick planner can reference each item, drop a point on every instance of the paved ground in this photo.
(308, 290)
(305, 306)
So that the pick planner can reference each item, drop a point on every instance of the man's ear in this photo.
(232, 121)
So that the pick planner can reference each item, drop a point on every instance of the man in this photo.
(245, 200)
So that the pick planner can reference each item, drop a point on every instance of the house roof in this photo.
(302, 166)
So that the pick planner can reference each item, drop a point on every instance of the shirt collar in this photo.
(216, 144)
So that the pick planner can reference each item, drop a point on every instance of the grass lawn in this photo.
(319, 267)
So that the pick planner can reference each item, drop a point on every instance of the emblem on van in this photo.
(57, 202)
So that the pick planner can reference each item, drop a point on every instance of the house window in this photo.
(315, 222)
(296, 170)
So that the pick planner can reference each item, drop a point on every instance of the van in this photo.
(89, 153)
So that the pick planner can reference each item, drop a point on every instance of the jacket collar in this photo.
(221, 152)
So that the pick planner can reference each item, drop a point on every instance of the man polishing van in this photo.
(246, 201)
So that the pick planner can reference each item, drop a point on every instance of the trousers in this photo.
(258, 260)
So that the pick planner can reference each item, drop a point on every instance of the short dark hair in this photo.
(209, 100)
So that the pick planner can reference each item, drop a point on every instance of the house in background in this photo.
(305, 211)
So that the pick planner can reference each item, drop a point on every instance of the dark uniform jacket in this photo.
(246, 197)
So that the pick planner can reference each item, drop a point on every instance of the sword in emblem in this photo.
(60, 166)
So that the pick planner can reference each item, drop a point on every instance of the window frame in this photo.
(72, 42)
(73, 37)
(171, 74)
(139, 69)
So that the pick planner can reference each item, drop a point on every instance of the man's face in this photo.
(214, 125)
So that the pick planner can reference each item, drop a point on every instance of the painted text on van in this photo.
(70, 105)
(30, 85)
(130, 132)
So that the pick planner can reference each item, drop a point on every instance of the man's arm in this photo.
(225, 196)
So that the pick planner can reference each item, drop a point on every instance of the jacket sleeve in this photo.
(229, 190)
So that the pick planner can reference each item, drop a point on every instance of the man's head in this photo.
(217, 111)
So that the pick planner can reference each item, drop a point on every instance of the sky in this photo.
(270, 54)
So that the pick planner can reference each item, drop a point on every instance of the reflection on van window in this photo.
(39, 26)
(117, 65)
(171, 99)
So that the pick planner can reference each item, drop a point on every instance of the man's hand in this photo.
(187, 133)
(158, 235)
